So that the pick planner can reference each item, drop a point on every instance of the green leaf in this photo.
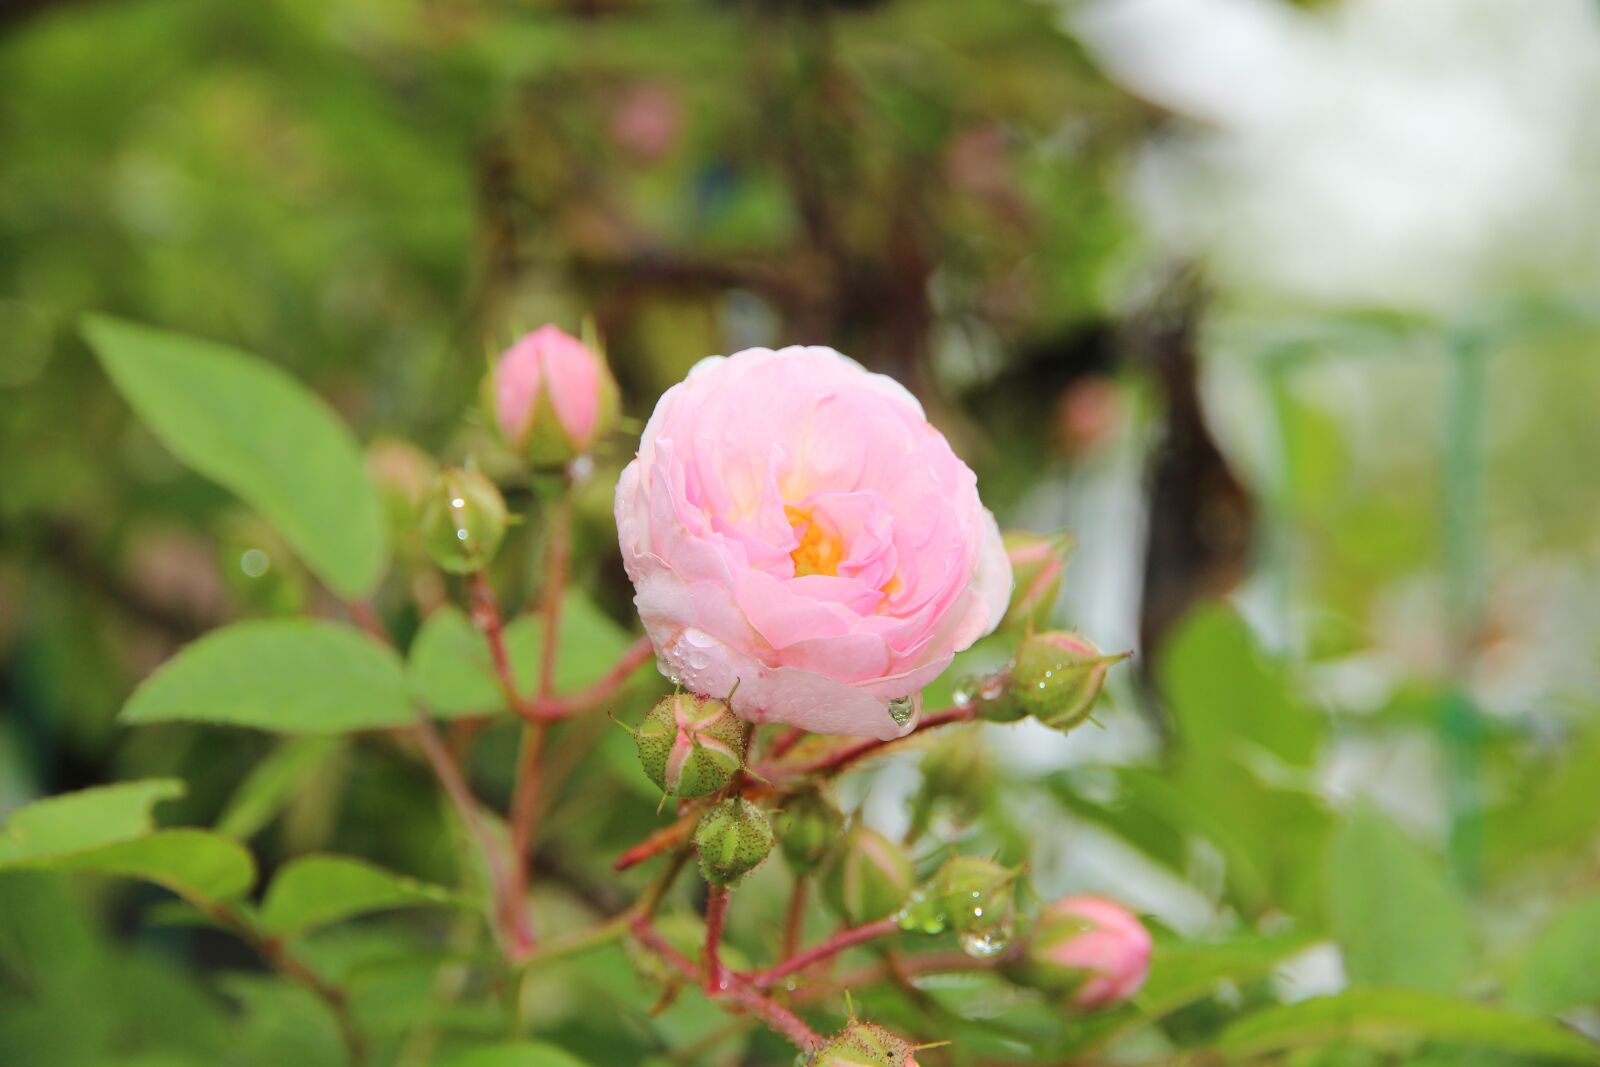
(255, 430)
(196, 864)
(1245, 749)
(266, 789)
(1386, 1016)
(74, 822)
(317, 890)
(449, 669)
(1562, 968)
(1397, 919)
(516, 1054)
(289, 675)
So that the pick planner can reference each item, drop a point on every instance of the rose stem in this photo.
(513, 917)
(844, 939)
(838, 760)
(794, 919)
(272, 950)
(525, 790)
(779, 1019)
(716, 917)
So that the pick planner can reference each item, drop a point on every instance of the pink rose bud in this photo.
(1091, 950)
(798, 535)
(1038, 564)
(866, 1045)
(552, 396)
(1058, 677)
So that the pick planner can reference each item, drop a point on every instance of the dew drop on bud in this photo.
(901, 709)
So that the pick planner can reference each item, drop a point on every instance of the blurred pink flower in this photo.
(794, 525)
(1098, 949)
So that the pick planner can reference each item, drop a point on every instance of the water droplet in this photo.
(254, 563)
(985, 944)
(901, 709)
(462, 535)
(458, 502)
(699, 661)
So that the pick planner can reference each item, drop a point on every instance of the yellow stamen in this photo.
(820, 552)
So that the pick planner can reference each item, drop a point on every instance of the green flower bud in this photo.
(865, 1045)
(690, 746)
(732, 839)
(1058, 677)
(1037, 565)
(973, 898)
(867, 876)
(463, 521)
(808, 826)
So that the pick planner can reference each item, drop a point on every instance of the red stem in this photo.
(512, 915)
(784, 742)
(486, 616)
(839, 942)
(837, 760)
(562, 707)
(794, 919)
(781, 1020)
(558, 560)
(716, 917)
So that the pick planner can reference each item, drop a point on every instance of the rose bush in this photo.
(801, 537)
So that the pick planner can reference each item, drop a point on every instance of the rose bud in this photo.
(551, 396)
(867, 877)
(1058, 677)
(865, 1045)
(793, 523)
(957, 776)
(972, 897)
(463, 519)
(1089, 949)
(808, 825)
(690, 745)
(1038, 564)
(732, 839)
(403, 474)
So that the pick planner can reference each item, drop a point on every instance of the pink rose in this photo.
(551, 396)
(1094, 950)
(793, 525)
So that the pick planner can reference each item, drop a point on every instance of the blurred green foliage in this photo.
(370, 195)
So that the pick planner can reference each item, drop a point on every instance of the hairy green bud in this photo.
(866, 1045)
(690, 746)
(732, 839)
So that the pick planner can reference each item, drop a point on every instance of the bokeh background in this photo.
(1288, 311)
